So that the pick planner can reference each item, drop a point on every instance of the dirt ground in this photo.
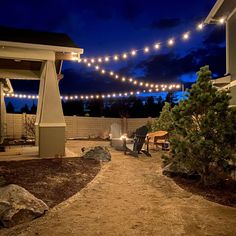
(130, 196)
(57, 180)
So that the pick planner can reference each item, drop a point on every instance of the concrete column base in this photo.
(51, 141)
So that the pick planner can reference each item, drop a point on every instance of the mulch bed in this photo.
(51, 180)
(224, 194)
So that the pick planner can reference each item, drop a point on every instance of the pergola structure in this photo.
(226, 9)
(33, 55)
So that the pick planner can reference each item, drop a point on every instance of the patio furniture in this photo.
(158, 140)
(135, 148)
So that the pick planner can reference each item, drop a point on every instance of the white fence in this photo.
(75, 126)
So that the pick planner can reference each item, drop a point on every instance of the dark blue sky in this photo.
(106, 27)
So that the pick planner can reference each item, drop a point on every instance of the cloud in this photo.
(171, 67)
(165, 23)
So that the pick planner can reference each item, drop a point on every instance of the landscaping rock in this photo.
(175, 169)
(17, 205)
(98, 153)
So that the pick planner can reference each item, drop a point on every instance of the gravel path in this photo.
(130, 196)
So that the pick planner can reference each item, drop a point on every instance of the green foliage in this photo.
(165, 120)
(204, 130)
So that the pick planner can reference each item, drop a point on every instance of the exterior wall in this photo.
(76, 127)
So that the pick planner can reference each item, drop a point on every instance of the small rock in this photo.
(17, 205)
(174, 169)
(98, 153)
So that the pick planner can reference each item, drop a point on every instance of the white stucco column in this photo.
(50, 122)
(2, 114)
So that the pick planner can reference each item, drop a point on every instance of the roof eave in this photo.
(213, 12)
(41, 46)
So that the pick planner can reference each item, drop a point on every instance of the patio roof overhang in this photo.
(222, 8)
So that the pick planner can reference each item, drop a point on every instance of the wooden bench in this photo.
(158, 140)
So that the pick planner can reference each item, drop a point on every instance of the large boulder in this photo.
(98, 153)
(17, 205)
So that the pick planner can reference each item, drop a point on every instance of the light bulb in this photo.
(157, 46)
(124, 56)
(200, 26)
(185, 36)
(171, 42)
(146, 49)
(133, 52)
(222, 20)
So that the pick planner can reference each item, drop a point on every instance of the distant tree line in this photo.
(123, 107)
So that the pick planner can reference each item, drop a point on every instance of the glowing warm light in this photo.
(135, 82)
(157, 46)
(133, 52)
(200, 26)
(117, 76)
(124, 56)
(116, 58)
(103, 71)
(124, 136)
(146, 49)
(99, 59)
(76, 97)
(89, 64)
(106, 58)
(111, 73)
(130, 80)
(97, 67)
(92, 60)
(147, 84)
(185, 36)
(171, 42)
(141, 83)
(85, 60)
(123, 79)
(222, 20)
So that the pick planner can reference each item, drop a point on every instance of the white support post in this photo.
(2, 114)
(50, 122)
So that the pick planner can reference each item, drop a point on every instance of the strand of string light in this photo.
(165, 88)
(147, 49)
(135, 82)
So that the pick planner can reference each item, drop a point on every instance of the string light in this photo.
(200, 26)
(147, 49)
(222, 20)
(157, 46)
(171, 42)
(130, 80)
(186, 36)
(133, 52)
(95, 96)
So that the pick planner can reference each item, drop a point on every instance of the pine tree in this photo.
(165, 120)
(203, 130)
